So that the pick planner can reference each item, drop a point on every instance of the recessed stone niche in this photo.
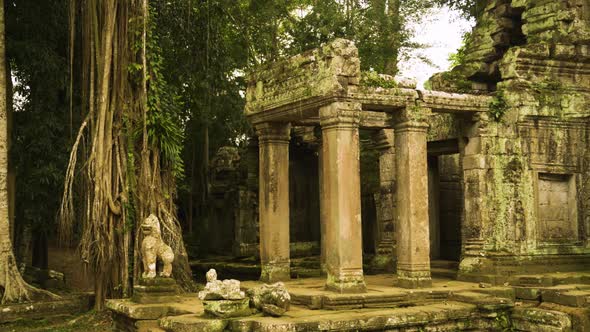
(557, 208)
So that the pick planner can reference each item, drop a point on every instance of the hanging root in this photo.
(66, 210)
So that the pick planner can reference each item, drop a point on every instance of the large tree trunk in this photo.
(12, 285)
(393, 42)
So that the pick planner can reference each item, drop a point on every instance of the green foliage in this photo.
(373, 79)
(469, 8)
(504, 322)
(459, 81)
(36, 49)
(498, 106)
(458, 58)
(164, 117)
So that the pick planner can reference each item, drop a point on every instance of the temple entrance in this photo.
(445, 195)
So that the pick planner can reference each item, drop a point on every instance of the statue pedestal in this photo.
(155, 290)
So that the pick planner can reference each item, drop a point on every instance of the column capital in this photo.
(340, 115)
(278, 132)
(412, 117)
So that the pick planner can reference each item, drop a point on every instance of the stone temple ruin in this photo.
(522, 164)
(490, 169)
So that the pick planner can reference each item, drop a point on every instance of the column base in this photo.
(413, 279)
(413, 282)
(348, 282)
(273, 272)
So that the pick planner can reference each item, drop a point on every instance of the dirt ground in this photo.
(88, 322)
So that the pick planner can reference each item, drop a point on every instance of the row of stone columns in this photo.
(340, 206)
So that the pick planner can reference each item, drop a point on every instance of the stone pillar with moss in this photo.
(341, 206)
(385, 256)
(323, 246)
(413, 237)
(273, 196)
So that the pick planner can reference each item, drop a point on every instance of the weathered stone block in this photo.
(188, 323)
(528, 293)
(571, 298)
(475, 162)
(228, 308)
(156, 290)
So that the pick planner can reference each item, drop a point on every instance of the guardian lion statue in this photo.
(152, 248)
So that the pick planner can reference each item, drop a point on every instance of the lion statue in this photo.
(153, 247)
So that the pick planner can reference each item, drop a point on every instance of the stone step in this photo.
(528, 293)
(483, 301)
(67, 305)
(298, 272)
(531, 281)
(550, 279)
(442, 317)
(444, 264)
(540, 320)
(568, 295)
(443, 273)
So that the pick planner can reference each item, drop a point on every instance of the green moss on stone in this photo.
(374, 79)
(498, 106)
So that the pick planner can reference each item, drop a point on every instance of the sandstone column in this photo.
(413, 240)
(318, 134)
(273, 140)
(385, 241)
(341, 206)
(476, 210)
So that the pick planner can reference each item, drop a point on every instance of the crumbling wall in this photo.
(525, 166)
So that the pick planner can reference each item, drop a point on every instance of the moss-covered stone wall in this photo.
(536, 129)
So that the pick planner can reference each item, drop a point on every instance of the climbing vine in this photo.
(498, 106)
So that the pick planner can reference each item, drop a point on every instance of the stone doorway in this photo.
(445, 195)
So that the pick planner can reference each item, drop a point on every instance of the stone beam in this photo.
(273, 141)
(443, 102)
(323, 72)
(368, 120)
(341, 197)
(448, 146)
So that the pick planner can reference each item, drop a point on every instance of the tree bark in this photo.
(393, 42)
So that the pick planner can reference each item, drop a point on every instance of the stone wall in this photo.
(526, 161)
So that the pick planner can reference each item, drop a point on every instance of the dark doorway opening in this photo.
(445, 195)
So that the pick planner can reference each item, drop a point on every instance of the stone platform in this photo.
(311, 293)
(131, 316)
(447, 306)
(553, 302)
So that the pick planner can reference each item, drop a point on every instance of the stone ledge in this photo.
(140, 311)
(65, 306)
(451, 316)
